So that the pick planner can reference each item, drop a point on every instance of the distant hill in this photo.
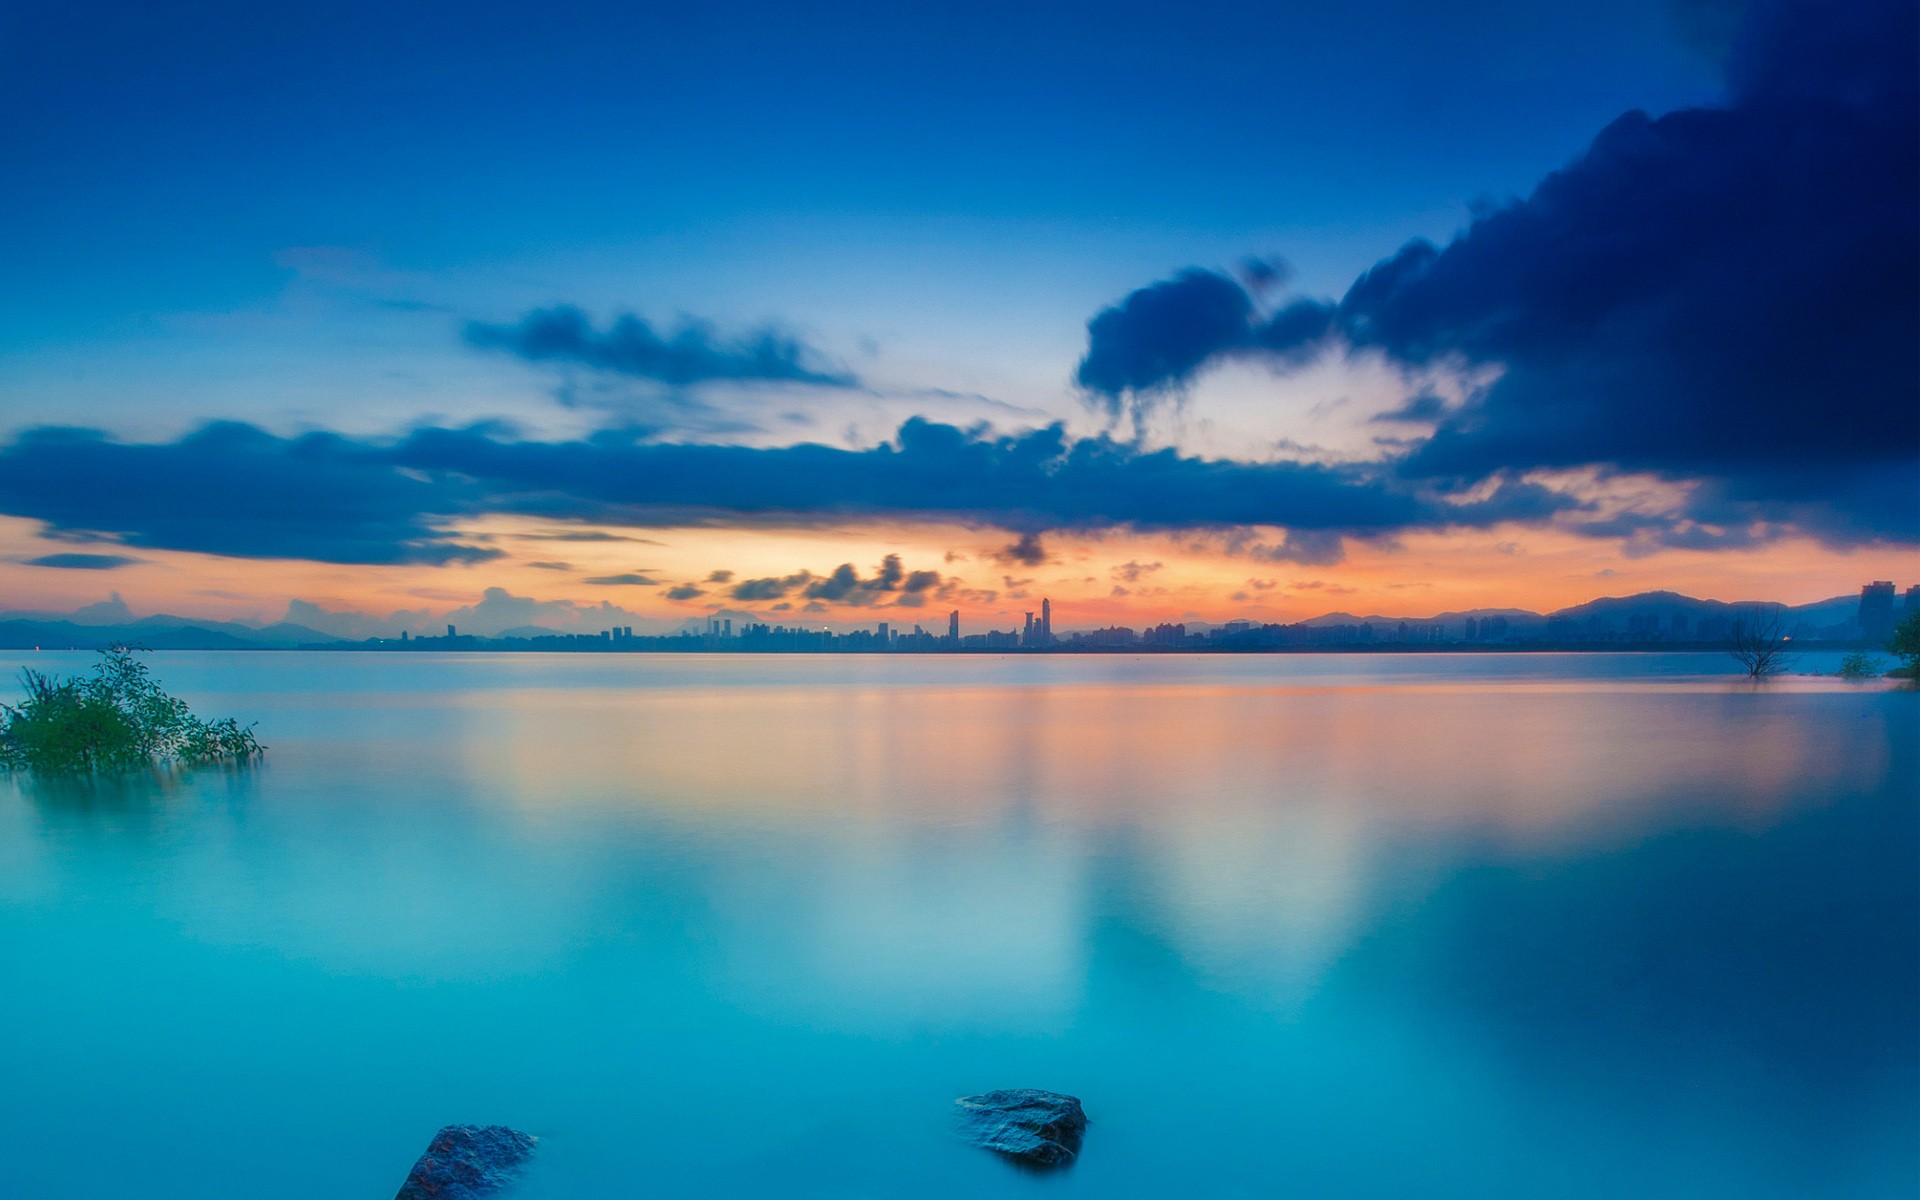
(159, 632)
(1681, 615)
(1650, 614)
(1518, 616)
(66, 635)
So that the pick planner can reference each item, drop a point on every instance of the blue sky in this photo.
(937, 181)
(1304, 288)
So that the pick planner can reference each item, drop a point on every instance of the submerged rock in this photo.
(464, 1162)
(1035, 1128)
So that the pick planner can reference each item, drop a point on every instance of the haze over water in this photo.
(1328, 926)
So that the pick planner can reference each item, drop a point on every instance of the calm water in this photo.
(1316, 926)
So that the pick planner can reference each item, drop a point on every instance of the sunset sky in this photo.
(387, 315)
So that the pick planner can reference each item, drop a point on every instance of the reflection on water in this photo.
(1337, 926)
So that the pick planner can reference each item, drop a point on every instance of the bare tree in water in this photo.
(1759, 642)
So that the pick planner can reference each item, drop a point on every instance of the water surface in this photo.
(1316, 925)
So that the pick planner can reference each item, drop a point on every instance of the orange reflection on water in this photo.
(1515, 760)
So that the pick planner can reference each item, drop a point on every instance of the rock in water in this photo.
(464, 1162)
(1038, 1129)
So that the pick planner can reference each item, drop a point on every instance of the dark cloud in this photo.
(1313, 548)
(630, 579)
(892, 583)
(720, 577)
(582, 535)
(845, 586)
(685, 591)
(552, 566)
(768, 588)
(1724, 293)
(1038, 479)
(235, 490)
(238, 491)
(1134, 572)
(691, 353)
(82, 562)
(1028, 551)
(1161, 335)
(1421, 407)
(1263, 275)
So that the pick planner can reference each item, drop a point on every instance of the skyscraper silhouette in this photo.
(1876, 611)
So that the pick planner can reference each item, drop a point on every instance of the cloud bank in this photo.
(240, 491)
(1725, 294)
(692, 353)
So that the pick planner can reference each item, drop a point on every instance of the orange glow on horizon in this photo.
(1094, 580)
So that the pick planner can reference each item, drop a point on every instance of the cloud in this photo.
(552, 566)
(81, 562)
(236, 490)
(1134, 572)
(1028, 551)
(1026, 481)
(685, 591)
(1420, 407)
(498, 610)
(692, 353)
(767, 588)
(629, 579)
(1313, 548)
(581, 535)
(1723, 293)
(1161, 335)
(239, 491)
(891, 583)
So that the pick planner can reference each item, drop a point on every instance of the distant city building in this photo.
(953, 626)
(1913, 601)
(450, 632)
(1876, 611)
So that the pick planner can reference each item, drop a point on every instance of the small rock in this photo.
(1035, 1128)
(467, 1161)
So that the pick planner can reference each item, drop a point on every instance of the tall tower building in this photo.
(953, 625)
(1046, 622)
(1026, 635)
(1876, 611)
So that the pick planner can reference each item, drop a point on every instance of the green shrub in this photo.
(1905, 644)
(112, 719)
(1859, 665)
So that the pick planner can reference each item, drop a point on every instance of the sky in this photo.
(377, 315)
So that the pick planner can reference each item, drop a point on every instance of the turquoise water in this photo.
(1321, 926)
